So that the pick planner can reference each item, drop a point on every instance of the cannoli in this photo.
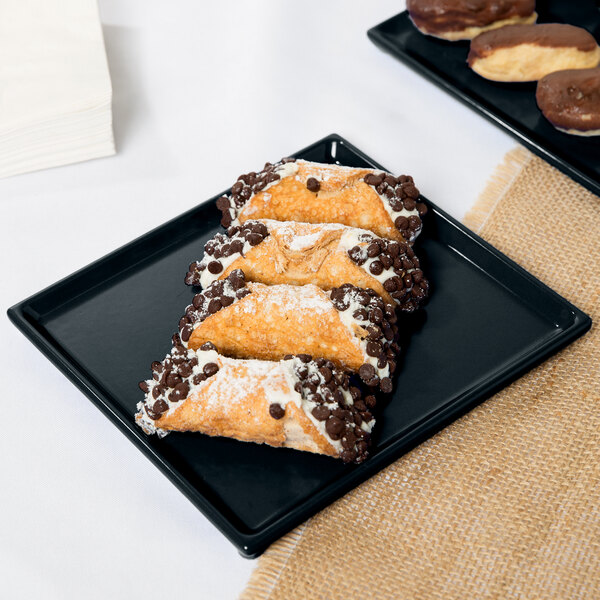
(529, 52)
(570, 100)
(297, 402)
(297, 190)
(464, 19)
(328, 255)
(353, 328)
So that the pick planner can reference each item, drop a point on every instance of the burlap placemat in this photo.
(505, 502)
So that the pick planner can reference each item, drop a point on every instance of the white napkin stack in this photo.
(55, 90)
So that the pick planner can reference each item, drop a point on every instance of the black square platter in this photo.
(487, 322)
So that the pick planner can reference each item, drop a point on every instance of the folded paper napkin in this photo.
(505, 502)
(55, 91)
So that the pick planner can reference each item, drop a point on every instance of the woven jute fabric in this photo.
(505, 502)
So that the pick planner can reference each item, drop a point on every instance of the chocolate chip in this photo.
(214, 306)
(376, 267)
(373, 250)
(357, 255)
(362, 297)
(421, 209)
(411, 191)
(341, 304)
(389, 285)
(305, 358)
(223, 203)
(210, 369)
(160, 406)
(390, 180)
(386, 385)
(321, 413)
(386, 261)
(208, 346)
(414, 222)
(144, 386)
(334, 426)
(215, 267)
(396, 204)
(361, 447)
(348, 440)
(157, 390)
(198, 379)
(276, 411)
(185, 369)
(374, 332)
(376, 315)
(237, 187)
(348, 455)
(254, 239)
(373, 179)
(410, 204)
(180, 392)
(370, 401)
(313, 184)
(355, 393)
(237, 279)
(172, 379)
(226, 300)
(401, 223)
(373, 349)
(366, 372)
(326, 374)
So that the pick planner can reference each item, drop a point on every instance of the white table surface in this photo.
(202, 93)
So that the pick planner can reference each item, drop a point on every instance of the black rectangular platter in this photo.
(487, 322)
(512, 106)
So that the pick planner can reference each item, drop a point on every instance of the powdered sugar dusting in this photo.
(301, 298)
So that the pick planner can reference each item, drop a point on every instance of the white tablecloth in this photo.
(202, 93)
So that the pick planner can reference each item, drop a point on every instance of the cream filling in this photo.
(206, 278)
(351, 323)
(149, 425)
(350, 239)
(308, 405)
(394, 214)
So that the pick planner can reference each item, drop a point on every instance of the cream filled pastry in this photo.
(465, 19)
(327, 255)
(353, 328)
(297, 402)
(297, 190)
(529, 52)
(570, 100)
